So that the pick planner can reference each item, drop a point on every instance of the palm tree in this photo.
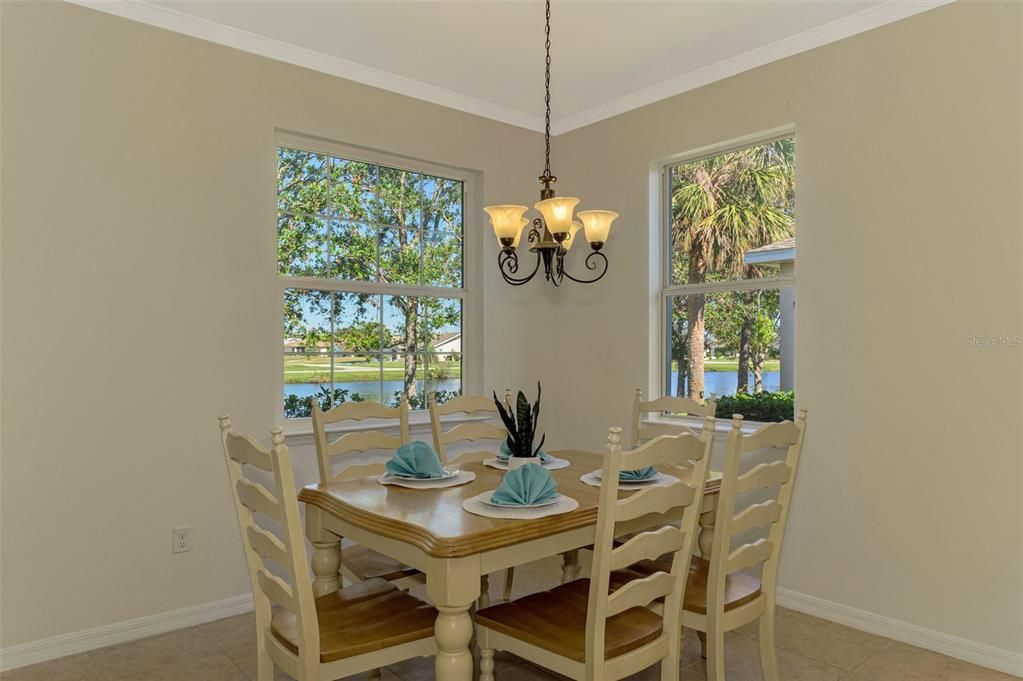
(722, 207)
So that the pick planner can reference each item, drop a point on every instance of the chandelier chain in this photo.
(547, 95)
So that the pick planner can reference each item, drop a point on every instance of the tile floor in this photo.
(809, 649)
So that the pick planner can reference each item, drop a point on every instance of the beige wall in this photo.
(137, 222)
(908, 222)
(138, 229)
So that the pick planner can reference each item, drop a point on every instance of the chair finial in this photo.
(507, 396)
(225, 422)
(802, 414)
(639, 393)
(614, 436)
(277, 436)
(737, 421)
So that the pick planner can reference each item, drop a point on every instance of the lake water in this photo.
(715, 383)
(724, 382)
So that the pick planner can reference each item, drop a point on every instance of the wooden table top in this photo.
(434, 521)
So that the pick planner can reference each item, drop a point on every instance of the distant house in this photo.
(447, 345)
(297, 346)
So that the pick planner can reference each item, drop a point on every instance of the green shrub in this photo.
(765, 406)
(299, 407)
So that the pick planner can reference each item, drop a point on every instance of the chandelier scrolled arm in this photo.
(593, 261)
(508, 264)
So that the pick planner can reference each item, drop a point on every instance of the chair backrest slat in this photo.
(640, 592)
(466, 432)
(355, 442)
(764, 475)
(292, 588)
(256, 498)
(277, 590)
(755, 516)
(646, 546)
(748, 555)
(655, 500)
(687, 456)
(267, 545)
(643, 431)
(769, 515)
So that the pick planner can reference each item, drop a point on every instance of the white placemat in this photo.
(460, 479)
(476, 507)
(664, 480)
(552, 464)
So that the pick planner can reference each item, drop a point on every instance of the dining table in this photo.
(429, 530)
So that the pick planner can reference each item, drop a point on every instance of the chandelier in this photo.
(553, 233)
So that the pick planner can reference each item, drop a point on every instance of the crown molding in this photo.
(847, 26)
(204, 29)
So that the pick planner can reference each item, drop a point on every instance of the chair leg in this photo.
(509, 578)
(716, 655)
(484, 599)
(264, 664)
(768, 654)
(670, 664)
(486, 654)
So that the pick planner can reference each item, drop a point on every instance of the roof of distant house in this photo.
(779, 251)
(442, 338)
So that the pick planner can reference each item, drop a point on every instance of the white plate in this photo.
(599, 475)
(448, 474)
(553, 464)
(485, 498)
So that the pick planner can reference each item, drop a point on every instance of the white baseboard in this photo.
(110, 634)
(960, 648)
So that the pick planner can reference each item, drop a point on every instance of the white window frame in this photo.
(469, 293)
(660, 224)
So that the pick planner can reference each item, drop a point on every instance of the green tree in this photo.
(722, 207)
(348, 220)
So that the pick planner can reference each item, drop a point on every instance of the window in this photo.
(728, 305)
(370, 258)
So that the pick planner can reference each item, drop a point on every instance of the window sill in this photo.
(721, 426)
(300, 431)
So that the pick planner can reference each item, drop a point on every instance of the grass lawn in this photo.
(730, 364)
(316, 368)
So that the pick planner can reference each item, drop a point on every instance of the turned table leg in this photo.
(570, 567)
(326, 560)
(453, 585)
(705, 542)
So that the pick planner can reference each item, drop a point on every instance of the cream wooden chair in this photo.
(720, 597)
(359, 563)
(643, 431)
(471, 432)
(599, 629)
(354, 630)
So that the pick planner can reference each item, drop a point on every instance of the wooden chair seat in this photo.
(358, 619)
(739, 588)
(555, 620)
(367, 564)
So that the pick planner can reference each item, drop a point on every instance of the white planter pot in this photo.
(519, 461)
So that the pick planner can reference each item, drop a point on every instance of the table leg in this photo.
(326, 560)
(453, 585)
(570, 567)
(708, 518)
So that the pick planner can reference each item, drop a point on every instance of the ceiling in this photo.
(486, 57)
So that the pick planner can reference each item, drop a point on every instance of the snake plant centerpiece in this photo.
(521, 427)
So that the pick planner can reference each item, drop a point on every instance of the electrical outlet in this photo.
(182, 539)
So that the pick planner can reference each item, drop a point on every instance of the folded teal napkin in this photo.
(637, 475)
(416, 459)
(529, 484)
(505, 453)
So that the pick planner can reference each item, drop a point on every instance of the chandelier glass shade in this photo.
(554, 233)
